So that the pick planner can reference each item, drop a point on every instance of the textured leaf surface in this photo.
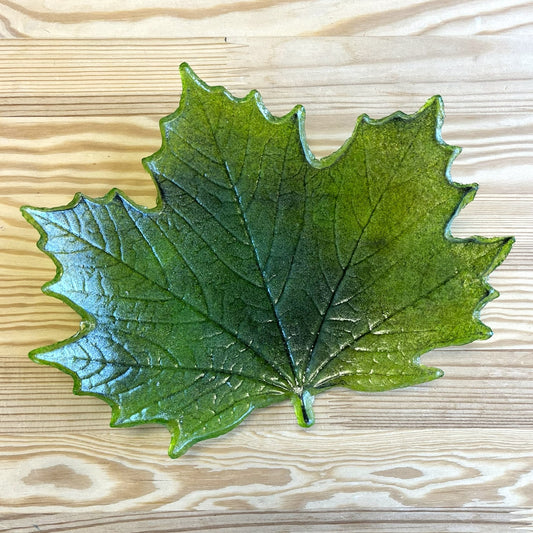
(264, 274)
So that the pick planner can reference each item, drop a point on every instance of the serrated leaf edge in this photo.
(302, 404)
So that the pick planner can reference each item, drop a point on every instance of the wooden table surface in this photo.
(81, 92)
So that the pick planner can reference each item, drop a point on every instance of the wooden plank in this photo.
(126, 470)
(168, 18)
(363, 520)
(335, 74)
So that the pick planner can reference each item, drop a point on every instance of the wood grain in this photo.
(338, 75)
(122, 470)
(168, 18)
(363, 520)
(78, 115)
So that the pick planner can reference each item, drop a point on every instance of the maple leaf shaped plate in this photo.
(264, 274)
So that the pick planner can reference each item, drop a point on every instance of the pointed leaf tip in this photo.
(189, 78)
(437, 102)
(186, 70)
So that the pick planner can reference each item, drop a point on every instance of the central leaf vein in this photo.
(246, 225)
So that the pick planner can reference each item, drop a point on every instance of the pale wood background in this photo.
(81, 92)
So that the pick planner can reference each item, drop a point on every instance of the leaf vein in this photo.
(391, 178)
(242, 213)
(179, 297)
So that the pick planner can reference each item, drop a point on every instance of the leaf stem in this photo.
(303, 407)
